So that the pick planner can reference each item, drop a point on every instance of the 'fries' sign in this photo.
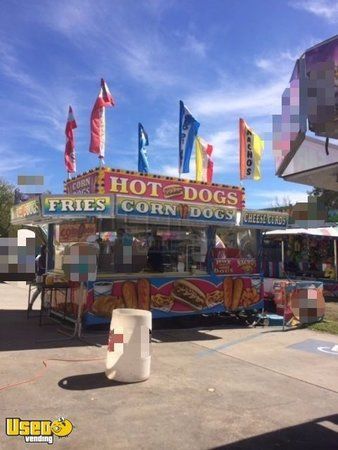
(79, 205)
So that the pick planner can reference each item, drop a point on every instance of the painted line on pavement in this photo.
(228, 344)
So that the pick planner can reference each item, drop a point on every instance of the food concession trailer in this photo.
(169, 245)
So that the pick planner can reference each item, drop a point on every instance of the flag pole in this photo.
(179, 139)
(138, 145)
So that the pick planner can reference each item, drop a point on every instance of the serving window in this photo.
(237, 243)
(135, 248)
(139, 248)
(235, 252)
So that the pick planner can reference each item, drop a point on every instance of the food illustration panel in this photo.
(235, 265)
(166, 297)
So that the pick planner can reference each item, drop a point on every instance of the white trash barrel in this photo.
(128, 352)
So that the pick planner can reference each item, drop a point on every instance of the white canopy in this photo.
(324, 231)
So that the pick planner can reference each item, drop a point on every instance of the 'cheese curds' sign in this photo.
(262, 219)
(79, 205)
(171, 189)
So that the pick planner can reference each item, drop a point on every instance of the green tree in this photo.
(329, 198)
(6, 202)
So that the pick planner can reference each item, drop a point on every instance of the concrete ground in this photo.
(211, 387)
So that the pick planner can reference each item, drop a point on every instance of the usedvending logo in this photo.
(38, 431)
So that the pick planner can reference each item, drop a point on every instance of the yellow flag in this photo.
(199, 159)
(258, 147)
(204, 163)
(251, 148)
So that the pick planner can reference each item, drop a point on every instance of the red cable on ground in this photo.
(41, 372)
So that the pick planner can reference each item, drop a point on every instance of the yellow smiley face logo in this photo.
(61, 427)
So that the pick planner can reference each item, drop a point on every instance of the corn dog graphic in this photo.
(227, 291)
(143, 294)
(129, 294)
(183, 210)
(238, 288)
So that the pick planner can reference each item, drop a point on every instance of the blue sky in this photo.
(224, 58)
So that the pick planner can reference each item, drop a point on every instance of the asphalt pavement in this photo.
(214, 384)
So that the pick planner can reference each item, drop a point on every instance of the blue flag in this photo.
(143, 141)
(188, 129)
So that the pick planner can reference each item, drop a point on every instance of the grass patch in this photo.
(325, 326)
(330, 322)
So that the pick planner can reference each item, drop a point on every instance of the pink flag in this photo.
(98, 120)
(204, 163)
(70, 159)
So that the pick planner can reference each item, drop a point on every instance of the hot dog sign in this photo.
(171, 189)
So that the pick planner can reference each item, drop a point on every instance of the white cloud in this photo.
(72, 19)
(249, 101)
(43, 107)
(195, 46)
(141, 52)
(158, 7)
(13, 160)
(268, 198)
(327, 9)
(144, 61)
(225, 154)
(254, 98)
(281, 63)
(171, 171)
(265, 64)
(166, 135)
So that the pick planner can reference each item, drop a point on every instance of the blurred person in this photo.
(329, 271)
(40, 269)
(155, 255)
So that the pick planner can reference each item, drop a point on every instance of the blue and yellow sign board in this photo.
(24, 212)
(171, 210)
(264, 219)
(77, 205)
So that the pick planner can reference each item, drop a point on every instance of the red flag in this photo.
(98, 120)
(210, 165)
(70, 159)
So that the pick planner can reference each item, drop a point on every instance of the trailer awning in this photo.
(324, 231)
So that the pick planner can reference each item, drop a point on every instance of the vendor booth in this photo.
(163, 244)
(300, 253)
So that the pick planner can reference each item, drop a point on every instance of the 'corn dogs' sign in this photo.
(163, 209)
(83, 184)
